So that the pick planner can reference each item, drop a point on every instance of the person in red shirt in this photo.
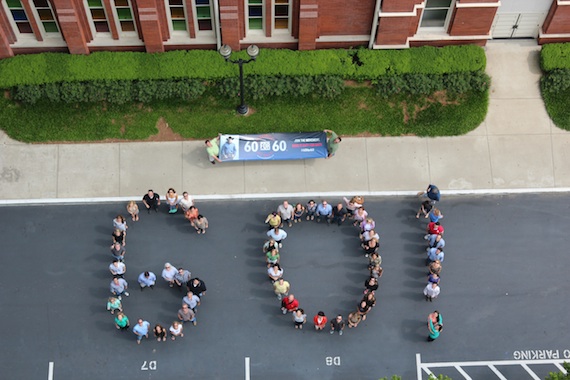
(434, 228)
(320, 320)
(289, 304)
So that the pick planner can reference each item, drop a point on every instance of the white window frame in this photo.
(204, 33)
(97, 34)
(256, 32)
(132, 34)
(437, 29)
(29, 39)
(289, 18)
(14, 25)
(177, 34)
(40, 23)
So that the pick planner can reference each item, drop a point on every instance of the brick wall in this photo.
(308, 24)
(558, 20)
(472, 21)
(344, 17)
(73, 25)
(150, 25)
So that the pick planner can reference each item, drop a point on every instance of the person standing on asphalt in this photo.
(435, 241)
(122, 322)
(434, 254)
(168, 274)
(299, 317)
(119, 287)
(431, 291)
(273, 219)
(289, 304)
(191, 300)
(311, 210)
(281, 288)
(278, 235)
(338, 214)
(435, 325)
(113, 303)
(197, 287)
(117, 268)
(118, 252)
(201, 224)
(185, 314)
(141, 329)
(337, 324)
(324, 210)
(320, 321)
(182, 277)
(147, 279)
(151, 200)
(285, 211)
(185, 202)
(332, 142)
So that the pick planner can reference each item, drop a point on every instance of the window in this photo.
(203, 15)
(19, 15)
(177, 15)
(98, 16)
(255, 14)
(281, 15)
(125, 15)
(46, 16)
(436, 13)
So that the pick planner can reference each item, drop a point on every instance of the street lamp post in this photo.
(253, 51)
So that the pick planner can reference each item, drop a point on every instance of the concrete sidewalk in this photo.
(516, 147)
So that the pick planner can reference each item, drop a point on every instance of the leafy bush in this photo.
(424, 84)
(112, 91)
(555, 81)
(555, 56)
(261, 87)
(208, 65)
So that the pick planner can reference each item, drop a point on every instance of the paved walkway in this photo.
(517, 147)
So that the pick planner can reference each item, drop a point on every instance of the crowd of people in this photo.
(353, 212)
(435, 254)
(181, 278)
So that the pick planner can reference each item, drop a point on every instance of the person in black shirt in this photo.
(151, 200)
(338, 214)
(197, 287)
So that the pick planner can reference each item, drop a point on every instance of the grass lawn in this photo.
(558, 108)
(357, 111)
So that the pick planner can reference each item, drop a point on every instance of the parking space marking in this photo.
(247, 375)
(50, 371)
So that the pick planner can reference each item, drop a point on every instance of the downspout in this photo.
(218, 27)
(374, 23)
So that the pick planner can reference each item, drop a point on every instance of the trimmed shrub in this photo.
(424, 84)
(555, 81)
(117, 92)
(207, 65)
(555, 56)
(261, 87)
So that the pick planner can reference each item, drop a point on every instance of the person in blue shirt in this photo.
(141, 329)
(229, 149)
(324, 210)
(147, 279)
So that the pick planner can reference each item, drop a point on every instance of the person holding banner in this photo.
(332, 142)
(213, 150)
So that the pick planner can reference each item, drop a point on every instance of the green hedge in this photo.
(208, 65)
(261, 87)
(555, 56)
(112, 91)
(424, 84)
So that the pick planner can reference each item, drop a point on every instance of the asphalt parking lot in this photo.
(504, 286)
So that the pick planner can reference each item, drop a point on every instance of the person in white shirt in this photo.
(278, 235)
(117, 268)
(285, 211)
(186, 201)
(431, 291)
(168, 274)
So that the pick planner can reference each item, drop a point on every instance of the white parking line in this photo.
(247, 376)
(50, 371)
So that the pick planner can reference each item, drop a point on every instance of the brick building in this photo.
(83, 26)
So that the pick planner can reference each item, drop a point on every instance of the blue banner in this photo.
(273, 146)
